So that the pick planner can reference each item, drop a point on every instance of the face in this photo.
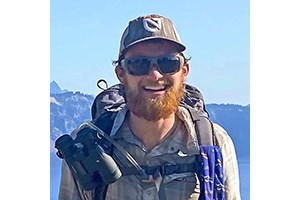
(155, 95)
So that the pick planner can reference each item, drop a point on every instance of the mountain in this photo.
(54, 88)
(67, 111)
(235, 119)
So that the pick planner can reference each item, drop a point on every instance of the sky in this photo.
(85, 36)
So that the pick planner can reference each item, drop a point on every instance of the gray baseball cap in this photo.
(149, 27)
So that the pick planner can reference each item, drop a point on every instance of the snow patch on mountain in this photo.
(53, 100)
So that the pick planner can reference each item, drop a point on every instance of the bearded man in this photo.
(154, 128)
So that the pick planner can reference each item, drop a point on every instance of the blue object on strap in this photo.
(211, 173)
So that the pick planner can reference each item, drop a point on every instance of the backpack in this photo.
(209, 168)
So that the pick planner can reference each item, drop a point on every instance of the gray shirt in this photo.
(180, 146)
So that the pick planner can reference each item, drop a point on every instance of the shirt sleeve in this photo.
(230, 164)
(69, 188)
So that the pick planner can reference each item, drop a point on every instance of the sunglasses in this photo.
(141, 65)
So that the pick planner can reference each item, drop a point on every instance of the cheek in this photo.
(178, 78)
(132, 82)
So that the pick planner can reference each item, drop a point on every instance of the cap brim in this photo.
(180, 46)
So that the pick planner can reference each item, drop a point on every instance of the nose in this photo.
(155, 73)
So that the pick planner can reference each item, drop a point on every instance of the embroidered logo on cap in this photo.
(152, 25)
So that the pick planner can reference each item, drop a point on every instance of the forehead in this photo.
(152, 48)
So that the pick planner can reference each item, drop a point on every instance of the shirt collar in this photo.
(182, 113)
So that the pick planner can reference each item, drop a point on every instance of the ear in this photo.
(185, 70)
(120, 73)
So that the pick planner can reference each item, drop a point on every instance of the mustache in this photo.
(165, 83)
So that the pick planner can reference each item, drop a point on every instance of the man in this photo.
(153, 127)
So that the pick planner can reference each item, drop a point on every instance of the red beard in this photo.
(153, 109)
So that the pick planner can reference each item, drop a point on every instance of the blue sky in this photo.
(85, 35)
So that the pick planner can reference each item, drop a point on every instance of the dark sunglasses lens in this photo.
(141, 65)
(138, 66)
(169, 64)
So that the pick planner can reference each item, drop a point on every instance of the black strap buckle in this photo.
(168, 169)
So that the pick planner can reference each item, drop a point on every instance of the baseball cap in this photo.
(149, 27)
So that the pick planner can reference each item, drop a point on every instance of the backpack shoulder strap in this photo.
(193, 101)
(204, 127)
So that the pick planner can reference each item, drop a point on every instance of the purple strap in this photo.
(211, 173)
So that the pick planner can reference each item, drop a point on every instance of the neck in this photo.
(151, 133)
